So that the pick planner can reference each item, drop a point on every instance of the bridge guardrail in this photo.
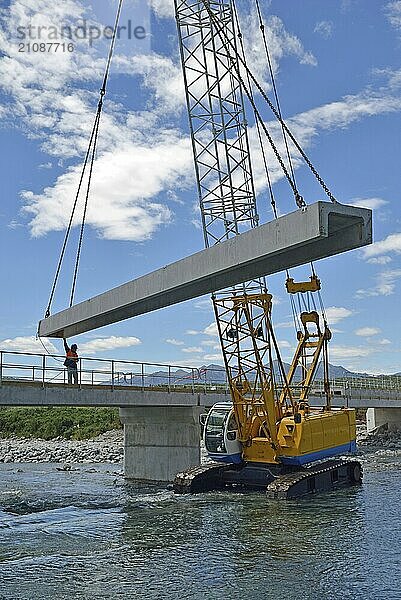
(48, 369)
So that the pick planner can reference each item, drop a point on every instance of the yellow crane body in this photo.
(318, 435)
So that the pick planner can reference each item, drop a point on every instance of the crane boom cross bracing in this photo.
(219, 134)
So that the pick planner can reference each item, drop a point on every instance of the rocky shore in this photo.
(108, 447)
(383, 438)
(105, 448)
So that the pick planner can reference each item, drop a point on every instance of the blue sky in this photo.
(338, 71)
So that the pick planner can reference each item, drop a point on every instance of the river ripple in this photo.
(88, 534)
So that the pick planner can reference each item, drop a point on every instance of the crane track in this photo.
(323, 477)
(326, 476)
(202, 478)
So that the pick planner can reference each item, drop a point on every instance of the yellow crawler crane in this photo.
(268, 436)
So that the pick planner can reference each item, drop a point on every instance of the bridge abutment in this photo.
(375, 417)
(160, 441)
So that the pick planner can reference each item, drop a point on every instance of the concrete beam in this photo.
(322, 230)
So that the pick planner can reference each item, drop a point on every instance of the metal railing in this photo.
(48, 369)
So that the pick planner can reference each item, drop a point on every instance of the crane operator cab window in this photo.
(220, 435)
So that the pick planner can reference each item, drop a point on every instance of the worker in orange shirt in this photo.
(71, 362)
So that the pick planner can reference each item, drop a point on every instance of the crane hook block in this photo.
(303, 286)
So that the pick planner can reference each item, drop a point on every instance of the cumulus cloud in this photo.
(372, 203)
(392, 243)
(367, 331)
(108, 344)
(308, 125)
(211, 330)
(124, 183)
(335, 314)
(345, 352)
(51, 98)
(213, 357)
(28, 344)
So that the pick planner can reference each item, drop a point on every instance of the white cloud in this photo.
(284, 344)
(107, 344)
(175, 342)
(124, 183)
(193, 350)
(393, 12)
(372, 203)
(192, 332)
(308, 125)
(211, 330)
(335, 314)
(367, 331)
(345, 352)
(324, 28)
(137, 158)
(380, 260)
(284, 325)
(384, 342)
(392, 243)
(28, 344)
(385, 285)
(213, 357)
(210, 343)
(203, 304)
(281, 43)
(163, 8)
(140, 161)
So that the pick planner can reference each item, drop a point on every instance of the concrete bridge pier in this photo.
(160, 441)
(375, 417)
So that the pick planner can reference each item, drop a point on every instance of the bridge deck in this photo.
(29, 393)
(322, 230)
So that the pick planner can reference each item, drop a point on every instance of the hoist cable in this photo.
(81, 233)
(226, 43)
(67, 233)
(89, 153)
(264, 158)
(273, 80)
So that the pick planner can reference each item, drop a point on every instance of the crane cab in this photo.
(220, 434)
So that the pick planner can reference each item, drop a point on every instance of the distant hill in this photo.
(216, 374)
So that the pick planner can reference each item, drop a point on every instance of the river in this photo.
(88, 534)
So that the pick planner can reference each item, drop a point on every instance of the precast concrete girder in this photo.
(322, 229)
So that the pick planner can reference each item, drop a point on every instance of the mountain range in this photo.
(216, 374)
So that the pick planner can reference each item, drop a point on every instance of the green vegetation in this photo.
(50, 422)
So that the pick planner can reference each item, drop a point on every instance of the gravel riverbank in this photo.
(105, 448)
(109, 447)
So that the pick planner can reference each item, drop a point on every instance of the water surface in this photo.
(89, 534)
